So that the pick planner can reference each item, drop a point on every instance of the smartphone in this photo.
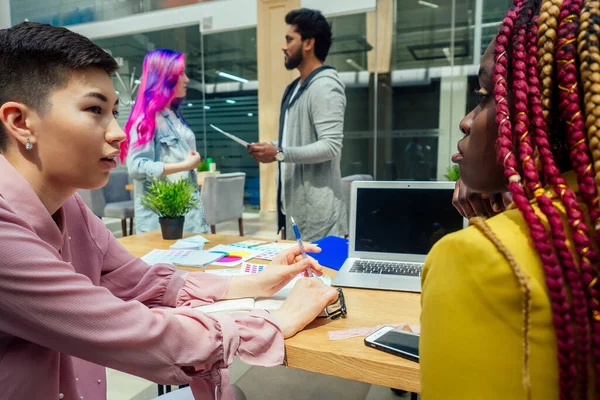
(395, 341)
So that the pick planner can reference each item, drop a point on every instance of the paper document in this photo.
(230, 136)
(187, 258)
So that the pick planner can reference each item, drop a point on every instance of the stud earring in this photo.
(28, 145)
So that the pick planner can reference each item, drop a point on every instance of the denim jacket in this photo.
(172, 141)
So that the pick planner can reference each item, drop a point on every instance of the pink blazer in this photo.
(73, 301)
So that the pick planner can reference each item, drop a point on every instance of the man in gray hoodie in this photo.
(311, 131)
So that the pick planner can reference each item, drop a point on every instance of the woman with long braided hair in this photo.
(511, 305)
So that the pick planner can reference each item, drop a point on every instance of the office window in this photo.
(232, 103)
(349, 55)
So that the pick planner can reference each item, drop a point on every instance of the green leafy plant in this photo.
(170, 199)
(203, 166)
(452, 173)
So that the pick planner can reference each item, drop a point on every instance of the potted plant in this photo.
(171, 201)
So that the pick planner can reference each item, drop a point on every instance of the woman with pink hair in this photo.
(159, 141)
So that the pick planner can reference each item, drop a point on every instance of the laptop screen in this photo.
(403, 220)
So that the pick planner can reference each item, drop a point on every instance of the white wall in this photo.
(4, 14)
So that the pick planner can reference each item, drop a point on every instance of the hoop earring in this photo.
(28, 145)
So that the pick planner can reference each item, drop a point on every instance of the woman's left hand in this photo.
(285, 267)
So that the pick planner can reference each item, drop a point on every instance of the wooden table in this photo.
(312, 350)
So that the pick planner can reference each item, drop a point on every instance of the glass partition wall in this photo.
(409, 68)
(217, 65)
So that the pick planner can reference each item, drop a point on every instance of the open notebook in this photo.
(249, 304)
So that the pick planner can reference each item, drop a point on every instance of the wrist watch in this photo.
(279, 156)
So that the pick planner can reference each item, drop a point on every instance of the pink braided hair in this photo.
(555, 283)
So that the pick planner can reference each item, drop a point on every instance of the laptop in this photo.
(393, 225)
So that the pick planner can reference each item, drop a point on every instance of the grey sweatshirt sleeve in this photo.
(327, 105)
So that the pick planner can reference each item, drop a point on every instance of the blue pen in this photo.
(299, 239)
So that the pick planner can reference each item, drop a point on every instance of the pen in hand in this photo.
(299, 239)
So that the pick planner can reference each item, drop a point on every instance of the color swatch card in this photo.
(247, 268)
(249, 243)
(251, 268)
(268, 250)
(232, 256)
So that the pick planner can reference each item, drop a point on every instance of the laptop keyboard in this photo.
(386, 268)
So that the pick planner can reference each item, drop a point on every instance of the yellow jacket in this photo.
(471, 345)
